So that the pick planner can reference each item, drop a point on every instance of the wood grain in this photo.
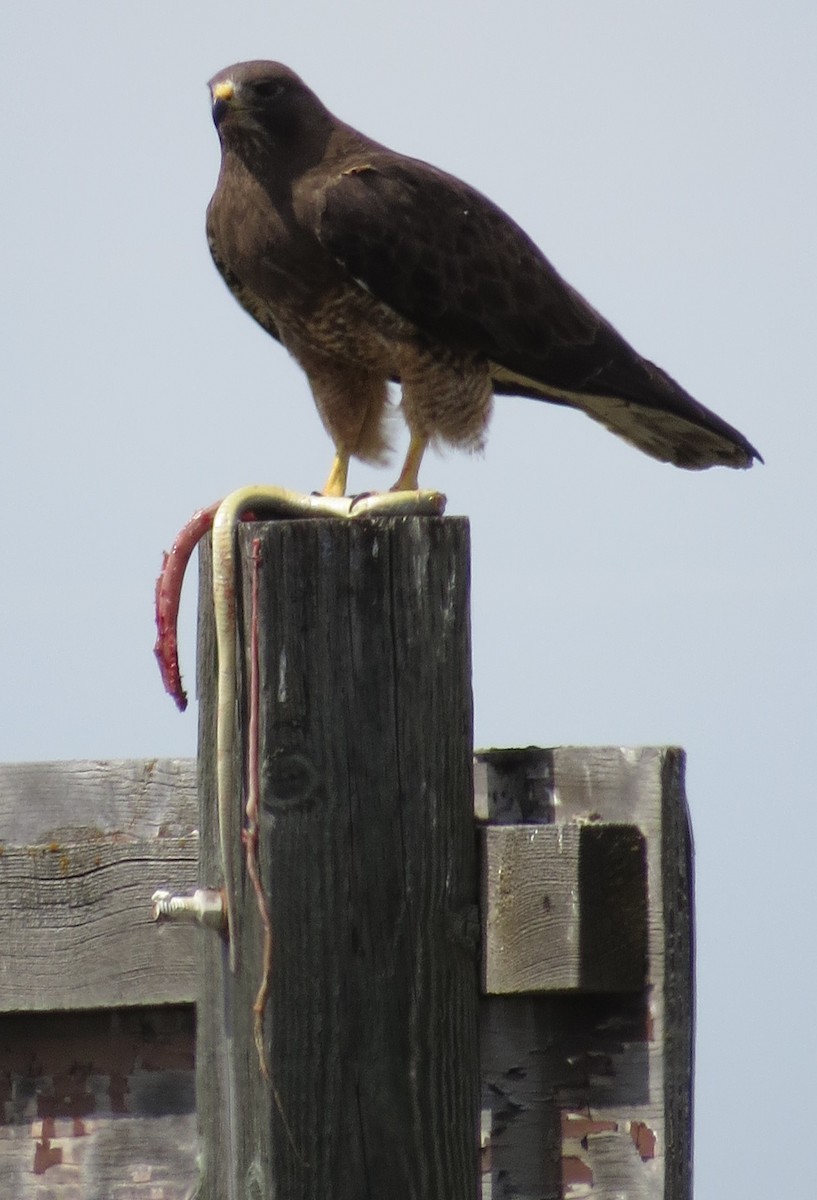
(368, 858)
(579, 1090)
(564, 908)
(70, 801)
(84, 847)
(593, 1094)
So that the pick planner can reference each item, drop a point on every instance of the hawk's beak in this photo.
(223, 93)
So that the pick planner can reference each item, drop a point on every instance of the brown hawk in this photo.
(371, 267)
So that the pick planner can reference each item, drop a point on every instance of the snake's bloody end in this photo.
(244, 505)
(166, 646)
(168, 594)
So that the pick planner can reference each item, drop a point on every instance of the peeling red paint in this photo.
(577, 1125)
(643, 1140)
(64, 1075)
(575, 1170)
(46, 1156)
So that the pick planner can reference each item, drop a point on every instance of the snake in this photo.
(251, 502)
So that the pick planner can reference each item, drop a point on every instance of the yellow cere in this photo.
(223, 90)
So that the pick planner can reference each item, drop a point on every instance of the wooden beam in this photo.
(84, 846)
(367, 857)
(593, 1093)
(123, 799)
(564, 908)
(577, 1088)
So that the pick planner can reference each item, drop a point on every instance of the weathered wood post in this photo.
(588, 1016)
(368, 860)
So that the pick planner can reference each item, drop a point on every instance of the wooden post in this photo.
(587, 1043)
(587, 1012)
(368, 860)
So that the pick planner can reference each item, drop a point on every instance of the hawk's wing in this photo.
(449, 260)
(248, 300)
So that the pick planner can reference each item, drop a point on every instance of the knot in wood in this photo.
(292, 781)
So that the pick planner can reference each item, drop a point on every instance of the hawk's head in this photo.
(266, 106)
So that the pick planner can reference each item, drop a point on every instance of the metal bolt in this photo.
(205, 907)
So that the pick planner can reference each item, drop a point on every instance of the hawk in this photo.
(371, 267)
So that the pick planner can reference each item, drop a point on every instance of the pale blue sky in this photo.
(663, 158)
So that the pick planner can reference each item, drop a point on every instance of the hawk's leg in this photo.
(351, 402)
(336, 483)
(408, 481)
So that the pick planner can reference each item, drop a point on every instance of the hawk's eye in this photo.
(269, 89)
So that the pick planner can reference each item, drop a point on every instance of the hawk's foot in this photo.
(338, 475)
(408, 480)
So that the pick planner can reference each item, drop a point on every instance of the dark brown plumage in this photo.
(370, 266)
